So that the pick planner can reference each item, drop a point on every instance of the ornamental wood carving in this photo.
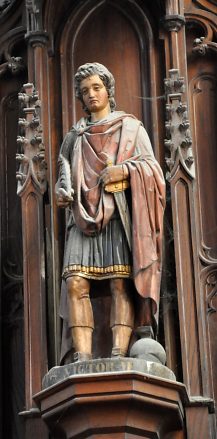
(182, 178)
(178, 137)
(35, 31)
(31, 157)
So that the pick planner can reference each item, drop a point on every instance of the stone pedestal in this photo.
(121, 404)
(105, 365)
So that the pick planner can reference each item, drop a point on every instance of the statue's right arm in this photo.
(63, 189)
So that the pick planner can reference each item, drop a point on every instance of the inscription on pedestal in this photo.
(101, 366)
(105, 366)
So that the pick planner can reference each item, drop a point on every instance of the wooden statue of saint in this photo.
(114, 189)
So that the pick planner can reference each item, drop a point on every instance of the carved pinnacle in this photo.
(177, 127)
(34, 154)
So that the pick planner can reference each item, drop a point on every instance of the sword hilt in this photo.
(117, 186)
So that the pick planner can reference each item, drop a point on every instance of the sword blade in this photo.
(123, 209)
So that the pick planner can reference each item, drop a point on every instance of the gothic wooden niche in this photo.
(128, 33)
(67, 25)
(71, 25)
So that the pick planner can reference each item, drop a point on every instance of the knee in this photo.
(119, 286)
(77, 287)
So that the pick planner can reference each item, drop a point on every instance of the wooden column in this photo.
(43, 73)
(31, 186)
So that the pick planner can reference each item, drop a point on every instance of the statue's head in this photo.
(91, 69)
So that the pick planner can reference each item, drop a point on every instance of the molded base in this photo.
(114, 405)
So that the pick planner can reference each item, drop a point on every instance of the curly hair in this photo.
(90, 69)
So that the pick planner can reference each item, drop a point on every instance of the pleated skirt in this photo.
(105, 255)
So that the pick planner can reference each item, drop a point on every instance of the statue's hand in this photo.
(63, 198)
(112, 174)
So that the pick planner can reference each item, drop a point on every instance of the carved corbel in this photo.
(31, 155)
(173, 23)
(15, 65)
(178, 138)
(201, 46)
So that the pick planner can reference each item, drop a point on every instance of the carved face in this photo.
(95, 95)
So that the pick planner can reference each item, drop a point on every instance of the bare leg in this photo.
(80, 315)
(122, 316)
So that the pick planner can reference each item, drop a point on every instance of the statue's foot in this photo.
(118, 352)
(82, 356)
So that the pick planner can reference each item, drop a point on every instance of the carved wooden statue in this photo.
(113, 188)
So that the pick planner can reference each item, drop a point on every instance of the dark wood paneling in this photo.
(121, 37)
(109, 38)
